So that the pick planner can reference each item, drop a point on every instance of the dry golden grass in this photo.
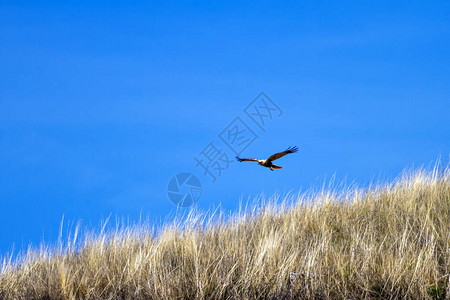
(390, 241)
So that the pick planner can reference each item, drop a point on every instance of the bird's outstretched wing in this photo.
(281, 154)
(245, 159)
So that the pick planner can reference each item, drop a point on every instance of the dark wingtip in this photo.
(238, 159)
(292, 149)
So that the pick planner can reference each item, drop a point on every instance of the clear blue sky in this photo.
(101, 104)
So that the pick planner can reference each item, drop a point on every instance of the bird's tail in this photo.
(276, 167)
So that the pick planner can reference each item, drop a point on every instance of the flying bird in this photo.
(268, 162)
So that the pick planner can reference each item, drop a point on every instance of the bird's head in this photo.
(261, 161)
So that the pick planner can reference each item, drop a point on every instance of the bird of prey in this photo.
(268, 162)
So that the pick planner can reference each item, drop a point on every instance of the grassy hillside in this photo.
(390, 241)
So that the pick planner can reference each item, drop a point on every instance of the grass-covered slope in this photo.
(391, 241)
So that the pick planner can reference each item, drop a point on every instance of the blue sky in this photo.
(101, 104)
